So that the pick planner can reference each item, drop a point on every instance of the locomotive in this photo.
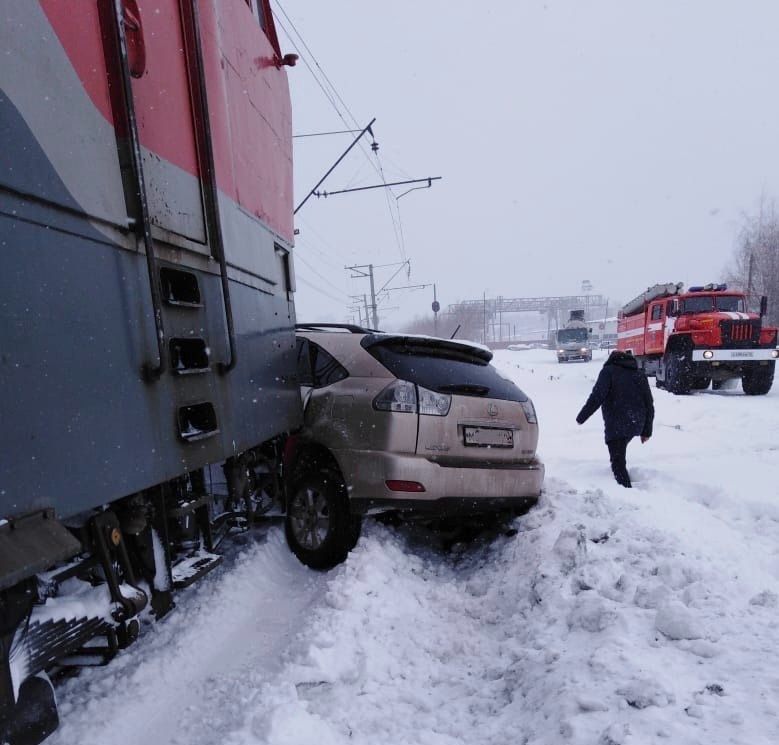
(147, 349)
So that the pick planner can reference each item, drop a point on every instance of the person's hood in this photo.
(622, 359)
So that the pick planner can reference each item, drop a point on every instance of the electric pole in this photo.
(369, 274)
(436, 307)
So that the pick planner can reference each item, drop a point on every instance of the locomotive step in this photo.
(192, 568)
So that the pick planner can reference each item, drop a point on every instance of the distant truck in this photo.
(704, 336)
(573, 340)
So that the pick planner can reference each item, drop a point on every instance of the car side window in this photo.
(305, 374)
(657, 312)
(327, 369)
(316, 367)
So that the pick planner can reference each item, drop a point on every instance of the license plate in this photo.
(489, 437)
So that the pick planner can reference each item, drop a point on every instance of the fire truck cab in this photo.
(706, 335)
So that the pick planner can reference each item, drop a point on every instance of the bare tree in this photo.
(467, 322)
(755, 267)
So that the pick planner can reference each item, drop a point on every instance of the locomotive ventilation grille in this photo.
(739, 332)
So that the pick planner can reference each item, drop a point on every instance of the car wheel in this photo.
(355, 528)
(320, 530)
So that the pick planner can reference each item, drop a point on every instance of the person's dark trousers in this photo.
(617, 449)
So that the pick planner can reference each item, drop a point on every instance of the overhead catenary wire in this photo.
(318, 246)
(324, 279)
(331, 95)
(318, 289)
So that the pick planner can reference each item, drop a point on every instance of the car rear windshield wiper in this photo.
(467, 389)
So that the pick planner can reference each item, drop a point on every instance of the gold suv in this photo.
(396, 422)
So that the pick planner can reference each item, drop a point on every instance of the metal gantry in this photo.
(555, 307)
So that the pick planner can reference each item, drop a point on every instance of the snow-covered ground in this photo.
(611, 617)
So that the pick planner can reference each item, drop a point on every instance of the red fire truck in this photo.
(689, 340)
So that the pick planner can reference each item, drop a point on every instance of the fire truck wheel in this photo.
(677, 373)
(700, 384)
(758, 382)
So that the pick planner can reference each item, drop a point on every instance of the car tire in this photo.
(355, 528)
(319, 528)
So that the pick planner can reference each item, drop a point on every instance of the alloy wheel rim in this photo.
(310, 518)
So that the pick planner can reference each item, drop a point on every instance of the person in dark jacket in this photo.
(622, 392)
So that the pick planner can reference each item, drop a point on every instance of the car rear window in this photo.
(443, 368)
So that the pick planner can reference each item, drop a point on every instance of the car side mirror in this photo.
(763, 305)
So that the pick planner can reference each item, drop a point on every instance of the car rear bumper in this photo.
(447, 487)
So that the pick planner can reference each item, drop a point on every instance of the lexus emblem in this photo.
(492, 410)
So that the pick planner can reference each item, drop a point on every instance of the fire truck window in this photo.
(731, 304)
(657, 312)
(701, 304)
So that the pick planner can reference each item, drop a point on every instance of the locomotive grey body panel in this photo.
(75, 332)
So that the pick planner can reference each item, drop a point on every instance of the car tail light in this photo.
(435, 404)
(397, 396)
(403, 396)
(530, 411)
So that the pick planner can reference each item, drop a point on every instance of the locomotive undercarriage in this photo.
(131, 557)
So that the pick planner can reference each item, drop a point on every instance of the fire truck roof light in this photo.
(708, 288)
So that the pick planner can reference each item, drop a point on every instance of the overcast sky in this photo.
(614, 141)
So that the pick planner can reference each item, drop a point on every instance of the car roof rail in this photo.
(350, 327)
